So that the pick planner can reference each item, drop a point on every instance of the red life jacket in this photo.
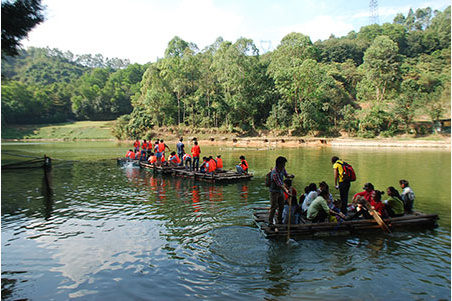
(186, 156)
(149, 145)
(161, 147)
(219, 163)
(152, 159)
(177, 159)
(173, 158)
(130, 154)
(212, 165)
(136, 144)
(144, 145)
(244, 165)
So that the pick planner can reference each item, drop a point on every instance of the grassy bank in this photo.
(102, 130)
(63, 131)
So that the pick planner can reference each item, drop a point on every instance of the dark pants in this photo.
(276, 203)
(362, 212)
(188, 163)
(344, 187)
(180, 157)
(195, 163)
(320, 217)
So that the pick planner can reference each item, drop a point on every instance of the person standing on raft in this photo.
(277, 188)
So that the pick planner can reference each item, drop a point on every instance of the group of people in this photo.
(155, 154)
(318, 205)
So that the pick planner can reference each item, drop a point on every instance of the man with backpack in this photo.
(274, 180)
(343, 175)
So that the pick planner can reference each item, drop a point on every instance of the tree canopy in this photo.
(372, 82)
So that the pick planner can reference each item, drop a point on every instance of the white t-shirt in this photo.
(308, 200)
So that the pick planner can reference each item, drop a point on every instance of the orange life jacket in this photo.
(136, 144)
(130, 154)
(177, 159)
(150, 145)
(161, 147)
(152, 159)
(144, 145)
(173, 158)
(212, 166)
(244, 165)
(219, 163)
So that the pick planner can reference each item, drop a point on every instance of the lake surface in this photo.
(112, 233)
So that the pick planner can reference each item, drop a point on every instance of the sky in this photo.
(139, 30)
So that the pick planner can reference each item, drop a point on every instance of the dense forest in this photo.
(374, 82)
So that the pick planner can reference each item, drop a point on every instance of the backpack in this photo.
(268, 179)
(349, 172)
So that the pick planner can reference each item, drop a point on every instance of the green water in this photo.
(106, 232)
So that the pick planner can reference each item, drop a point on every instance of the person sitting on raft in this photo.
(366, 195)
(203, 167)
(186, 158)
(130, 155)
(318, 211)
(295, 209)
(211, 165)
(243, 166)
(310, 196)
(219, 164)
(152, 158)
(407, 195)
(173, 160)
(394, 204)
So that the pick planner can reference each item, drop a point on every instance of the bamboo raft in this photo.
(164, 169)
(416, 220)
(223, 177)
(181, 171)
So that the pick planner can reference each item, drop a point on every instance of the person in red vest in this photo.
(195, 151)
(243, 166)
(130, 154)
(149, 149)
(173, 160)
(204, 165)
(144, 148)
(152, 158)
(212, 165)
(219, 164)
(136, 145)
(187, 161)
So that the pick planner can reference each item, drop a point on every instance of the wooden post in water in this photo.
(47, 172)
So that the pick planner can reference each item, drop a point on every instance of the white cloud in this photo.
(140, 32)
(321, 27)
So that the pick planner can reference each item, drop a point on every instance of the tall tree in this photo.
(18, 18)
(381, 66)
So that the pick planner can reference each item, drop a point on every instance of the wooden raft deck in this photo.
(227, 176)
(161, 169)
(416, 220)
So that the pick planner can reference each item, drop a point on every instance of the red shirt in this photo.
(379, 207)
(365, 194)
(195, 150)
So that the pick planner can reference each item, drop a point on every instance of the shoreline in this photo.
(283, 142)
